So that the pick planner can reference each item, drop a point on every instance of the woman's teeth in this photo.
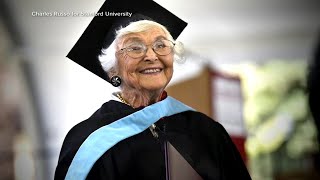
(148, 71)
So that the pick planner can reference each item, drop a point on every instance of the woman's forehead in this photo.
(147, 36)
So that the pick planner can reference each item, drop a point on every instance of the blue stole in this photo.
(102, 139)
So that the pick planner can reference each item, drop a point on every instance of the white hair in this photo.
(108, 55)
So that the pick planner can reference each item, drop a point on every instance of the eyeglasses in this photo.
(137, 50)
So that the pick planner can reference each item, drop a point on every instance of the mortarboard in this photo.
(112, 15)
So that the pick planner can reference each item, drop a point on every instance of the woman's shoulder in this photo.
(198, 116)
(109, 112)
(200, 120)
(106, 114)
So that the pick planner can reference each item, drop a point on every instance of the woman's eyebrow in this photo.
(137, 39)
(132, 39)
(160, 37)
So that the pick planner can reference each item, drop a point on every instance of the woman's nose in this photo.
(150, 54)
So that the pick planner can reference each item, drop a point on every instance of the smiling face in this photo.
(151, 72)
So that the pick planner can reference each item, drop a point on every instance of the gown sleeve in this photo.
(229, 159)
(206, 146)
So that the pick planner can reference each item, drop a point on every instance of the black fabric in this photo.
(313, 80)
(203, 142)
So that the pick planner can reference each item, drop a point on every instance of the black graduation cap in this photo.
(112, 15)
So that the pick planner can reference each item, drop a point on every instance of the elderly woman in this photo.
(142, 57)
(142, 133)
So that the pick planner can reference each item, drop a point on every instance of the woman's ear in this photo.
(115, 80)
(112, 72)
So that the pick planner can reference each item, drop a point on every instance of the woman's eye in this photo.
(160, 45)
(135, 48)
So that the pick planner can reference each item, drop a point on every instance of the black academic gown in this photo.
(203, 142)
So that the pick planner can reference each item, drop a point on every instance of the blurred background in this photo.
(246, 66)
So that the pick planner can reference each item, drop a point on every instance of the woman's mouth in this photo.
(151, 71)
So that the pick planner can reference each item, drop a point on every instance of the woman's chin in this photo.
(153, 85)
